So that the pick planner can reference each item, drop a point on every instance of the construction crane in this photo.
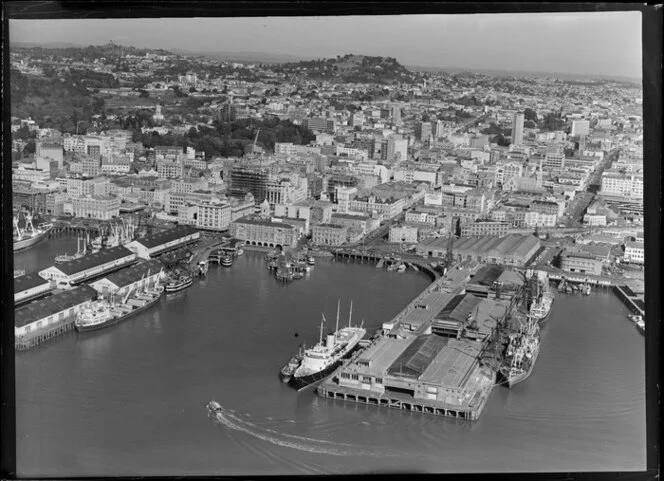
(256, 139)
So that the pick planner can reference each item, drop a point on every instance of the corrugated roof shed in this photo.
(415, 359)
(526, 245)
(459, 308)
(132, 274)
(487, 275)
(28, 281)
(104, 256)
(451, 366)
(53, 304)
(160, 238)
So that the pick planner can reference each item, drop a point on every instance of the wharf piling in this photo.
(57, 329)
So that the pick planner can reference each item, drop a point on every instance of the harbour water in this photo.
(130, 400)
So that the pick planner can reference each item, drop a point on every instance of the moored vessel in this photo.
(29, 235)
(521, 354)
(540, 308)
(289, 369)
(178, 284)
(107, 312)
(321, 360)
(226, 261)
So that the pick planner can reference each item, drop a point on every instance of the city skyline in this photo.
(587, 44)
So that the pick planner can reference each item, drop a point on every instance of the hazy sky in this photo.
(597, 43)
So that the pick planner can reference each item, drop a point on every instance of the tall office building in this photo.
(517, 128)
(244, 179)
(423, 131)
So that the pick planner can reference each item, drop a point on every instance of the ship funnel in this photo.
(330, 340)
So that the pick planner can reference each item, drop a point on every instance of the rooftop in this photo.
(28, 281)
(417, 357)
(96, 259)
(48, 306)
(163, 237)
(135, 273)
(451, 364)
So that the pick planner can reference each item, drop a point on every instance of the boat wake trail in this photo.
(302, 443)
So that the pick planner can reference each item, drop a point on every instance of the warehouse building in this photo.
(162, 242)
(512, 250)
(31, 286)
(71, 273)
(50, 316)
(133, 278)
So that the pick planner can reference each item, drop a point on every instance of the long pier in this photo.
(629, 300)
(370, 257)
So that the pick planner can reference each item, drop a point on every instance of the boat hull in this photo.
(117, 319)
(511, 381)
(303, 382)
(171, 290)
(27, 243)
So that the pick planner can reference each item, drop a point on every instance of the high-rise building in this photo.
(423, 131)
(517, 128)
(244, 179)
(580, 127)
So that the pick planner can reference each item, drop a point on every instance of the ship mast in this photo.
(336, 329)
(350, 315)
(320, 339)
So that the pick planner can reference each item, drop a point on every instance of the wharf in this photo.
(470, 410)
(375, 258)
(57, 329)
(442, 374)
(631, 300)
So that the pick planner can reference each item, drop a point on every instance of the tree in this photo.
(143, 94)
(530, 114)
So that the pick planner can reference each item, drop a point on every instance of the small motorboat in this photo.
(214, 407)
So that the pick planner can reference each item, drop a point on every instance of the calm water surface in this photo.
(129, 400)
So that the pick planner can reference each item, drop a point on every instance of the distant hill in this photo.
(351, 69)
(85, 53)
(243, 57)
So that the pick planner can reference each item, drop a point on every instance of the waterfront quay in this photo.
(630, 299)
(430, 357)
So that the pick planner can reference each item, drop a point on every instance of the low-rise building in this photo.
(52, 311)
(265, 233)
(404, 233)
(131, 279)
(485, 227)
(156, 244)
(71, 273)
(101, 207)
(31, 286)
(580, 263)
(329, 234)
(634, 252)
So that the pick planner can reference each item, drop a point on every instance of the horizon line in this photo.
(200, 53)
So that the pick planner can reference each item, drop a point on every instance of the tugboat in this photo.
(521, 354)
(178, 284)
(311, 260)
(289, 369)
(226, 261)
(322, 359)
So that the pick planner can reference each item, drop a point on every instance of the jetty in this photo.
(432, 357)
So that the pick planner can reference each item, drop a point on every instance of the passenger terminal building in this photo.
(429, 358)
